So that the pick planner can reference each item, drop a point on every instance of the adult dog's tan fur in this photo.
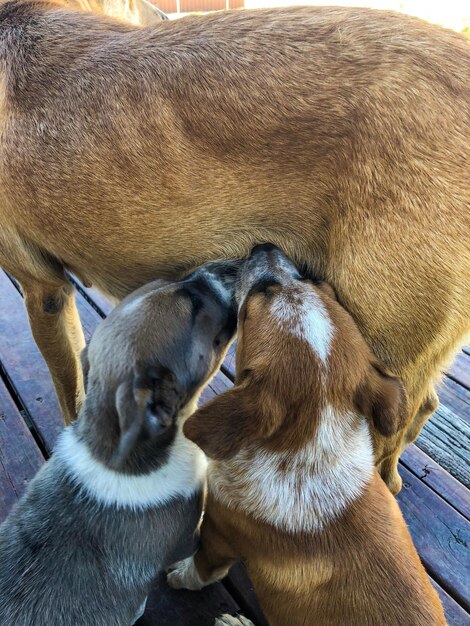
(341, 135)
(141, 12)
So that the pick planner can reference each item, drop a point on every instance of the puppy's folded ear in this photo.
(146, 406)
(233, 420)
(382, 398)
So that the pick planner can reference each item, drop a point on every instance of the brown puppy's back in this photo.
(316, 574)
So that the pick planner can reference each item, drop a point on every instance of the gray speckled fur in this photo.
(68, 560)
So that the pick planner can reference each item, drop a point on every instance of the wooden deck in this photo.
(435, 499)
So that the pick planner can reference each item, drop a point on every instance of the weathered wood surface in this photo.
(455, 397)
(455, 614)
(436, 477)
(20, 458)
(446, 439)
(167, 607)
(435, 504)
(440, 534)
(460, 369)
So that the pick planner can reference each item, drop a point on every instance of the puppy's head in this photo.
(298, 352)
(148, 361)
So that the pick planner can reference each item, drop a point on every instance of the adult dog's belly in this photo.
(337, 142)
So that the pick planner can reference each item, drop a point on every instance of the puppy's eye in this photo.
(217, 342)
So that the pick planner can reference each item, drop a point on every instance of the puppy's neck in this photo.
(302, 490)
(181, 474)
(97, 427)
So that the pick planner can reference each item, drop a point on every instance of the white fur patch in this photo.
(304, 490)
(309, 321)
(182, 474)
(184, 575)
(232, 620)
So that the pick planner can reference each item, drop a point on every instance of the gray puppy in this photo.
(121, 497)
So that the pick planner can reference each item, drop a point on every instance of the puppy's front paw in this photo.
(230, 620)
(184, 575)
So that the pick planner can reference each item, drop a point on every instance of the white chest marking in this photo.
(309, 321)
(301, 491)
(182, 475)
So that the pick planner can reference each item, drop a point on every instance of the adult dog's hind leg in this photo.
(427, 408)
(388, 466)
(57, 330)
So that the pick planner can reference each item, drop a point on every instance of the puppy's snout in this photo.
(264, 248)
(266, 263)
(267, 258)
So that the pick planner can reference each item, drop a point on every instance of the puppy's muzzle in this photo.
(266, 264)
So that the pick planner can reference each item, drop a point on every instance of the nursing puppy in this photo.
(121, 496)
(293, 491)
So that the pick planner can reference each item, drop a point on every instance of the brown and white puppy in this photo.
(293, 491)
(340, 134)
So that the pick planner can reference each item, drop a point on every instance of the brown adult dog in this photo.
(342, 135)
(292, 488)
(139, 12)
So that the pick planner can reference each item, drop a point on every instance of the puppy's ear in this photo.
(382, 398)
(329, 290)
(232, 420)
(85, 365)
(146, 406)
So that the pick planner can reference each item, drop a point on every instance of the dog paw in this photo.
(230, 620)
(184, 575)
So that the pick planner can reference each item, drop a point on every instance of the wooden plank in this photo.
(167, 607)
(20, 457)
(241, 588)
(460, 369)
(455, 614)
(455, 397)
(228, 366)
(433, 475)
(446, 439)
(441, 536)
(25, 366)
